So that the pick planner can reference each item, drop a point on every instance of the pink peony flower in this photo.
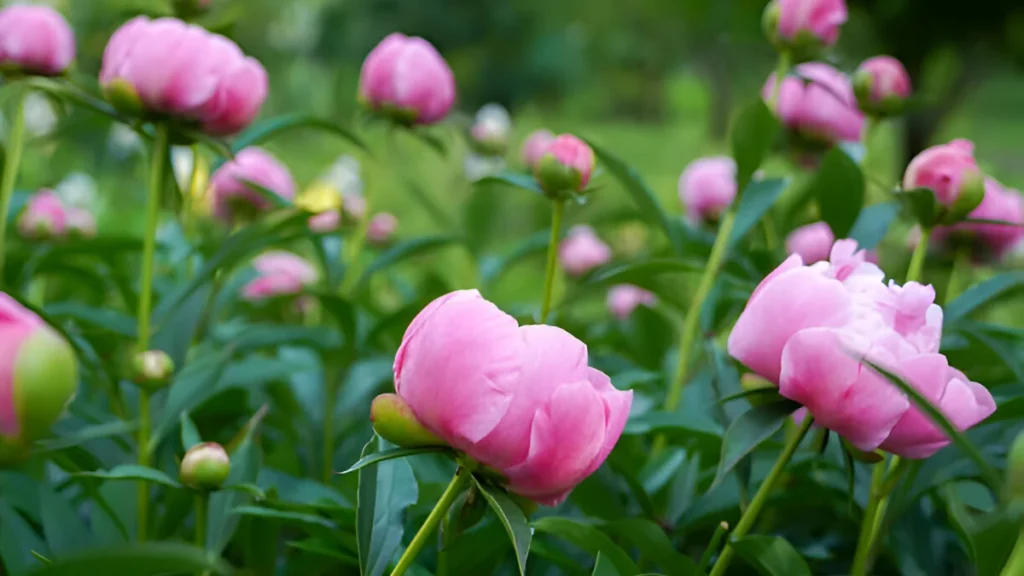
(44, 216)
(170, 67)
(804, 325)
(812, 242)
(946, 169)
(882, 85)
(999, 203)
(821, 19)
(818, 103)
(707, 187)
(624, 298)
(325, 222)
(279, 273)
(582, 250)
(35, 39)
(565, 166)
(232, 197)
(407, 79)
(381, 228)
(535, 146)
(518, 399)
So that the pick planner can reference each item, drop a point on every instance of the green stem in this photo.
(557, 211)
(869, 522)
(716, 541)
(15, 147)
(188, 217)
(750, 516)
(961, 271)
(37, 291)
(330, 399)
(202, 506)
(917, 259)
(781, 69)
(156, 180)
(1015, 565)
(459, 482)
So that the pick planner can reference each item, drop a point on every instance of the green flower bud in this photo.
(122, 96)
(972, 192)
(394, 421)
(751, 382)
(45, 381)
(152, 369)
(205, 466)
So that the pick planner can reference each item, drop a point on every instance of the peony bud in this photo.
(37, 380)
(35, 40)
(972, 192)
(947, 169)
(882, 86)
(44, 217)
(406, 80)
(394, 421)
(535, 146)
(565, 168)
(1015, 470)
(381, 229)
(152, 369)
(490, 131)
(804, 27)
(205, 466)
(234, 199)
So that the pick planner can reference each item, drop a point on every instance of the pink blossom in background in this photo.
(812, 242)
(818, 102)
(999, 203)
(707, 187)
(43, 217)
(535, 146)
(888, 78)
(944, 169)
(819, 18)
(232, 195)
(81, 221)
(407, 75)
(35, 39)
(625, 298)
(325, 222)
(279, 273)
(518, 399)
(381, 228)
(185, 71)
(806, 328)
(582, 250)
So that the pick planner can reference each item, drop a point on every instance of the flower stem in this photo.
(692, 320)
(202, 506)
(862, 556)
(453, 490)
(716, 540)
(750, 516)
(557, 211)
(917, 259)
(781, 69)
(961, 271)
(1015, 565)
(15, 147)
(156, 180)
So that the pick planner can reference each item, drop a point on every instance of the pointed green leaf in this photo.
(771, 556)
(138, 559)
(273, 197)
(873, 224)
(748, 432)
(64, 530)
(751, 138)
(88, 434)
(512, 518)
(376, 457)
(133, 472)
(245, 466)
(274, 127)
(18, 541)
(839, 188)
(385, 491)
(189, 434)
(588, 538)
(514, 179)
(603, 567)
(982, 294)
(654, 545)
(756, 201)
(922, 204)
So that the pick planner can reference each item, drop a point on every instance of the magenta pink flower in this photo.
(624, 298)
(821, 19)
(881, 82)
(406, 78)
(707, 187)
(565, 166)
(582, 250)
(44, 216)
(945, 169)
(518, 399)
(818, 103)
(279, 273)
(35, 39)
(179, 69)
(805, 327)
(233, 198)
(812, 242)
(999, 203)
(381, 228)
(535, 146)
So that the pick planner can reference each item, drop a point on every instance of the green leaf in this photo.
(751, 139)
(87, 434)
(983, 293)
(756, 201)
(382, 456)
(642, 194)
(343, 312)
(323, 548)
(245, 466)
(385, 491)
(993, 540)
(276, 201)
(285, 516)
(653, 544)
(514, 179)
(274, 127)
(603, 567)
(64, 529)
(512, 518)
(18, 541)
(105, 319)
(653, 274)
(748, 432)
(138, 559)
(491, 268)
(133, 472)
(873, 223)
(195, 384)
(405, 250)
(839, 188)
(771, 556)
(989, 474)
(588, 538)
(189, 434)
(922, 204)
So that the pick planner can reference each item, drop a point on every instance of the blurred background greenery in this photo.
(654, 80)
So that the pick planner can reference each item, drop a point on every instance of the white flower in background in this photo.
(78, 190)
(296, 29)
(40, 117)
(478, 167)
(182, 161)
(123, 141)
(344, 176)
(491, 129)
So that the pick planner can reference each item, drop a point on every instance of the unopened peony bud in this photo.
(804, 27)
(44, 217)
(490, 131)
(1015, 470)
(565, 168)
(394, 421)
(35, 40)
(972, 192)
(882, 86)
(381, 229)
(406, 80)
(205, 466)
(152, 369)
